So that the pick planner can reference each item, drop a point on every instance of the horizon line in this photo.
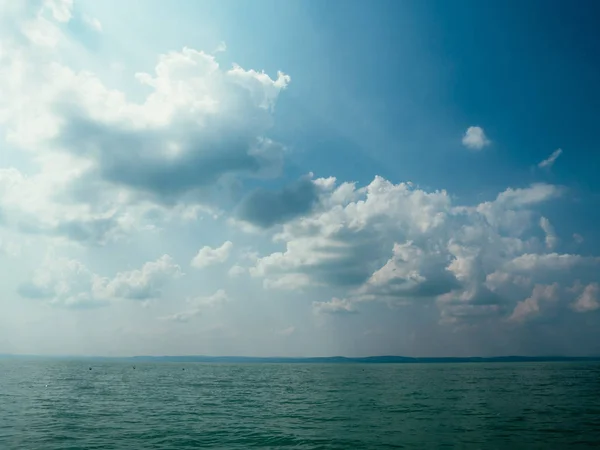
(299, 358)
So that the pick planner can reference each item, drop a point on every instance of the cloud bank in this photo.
(110, 193)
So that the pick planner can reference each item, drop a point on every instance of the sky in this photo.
(299, 178)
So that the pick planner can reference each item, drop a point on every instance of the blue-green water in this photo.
(63, 405)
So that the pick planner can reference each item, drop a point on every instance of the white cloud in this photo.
(64, 282)
(334, 306)
(549, 162)
(208, 256)
(400, 244)
(551, 237)
(578, 238)
(144, 283)
(92, 163)
(221, 47)
(236, 271)
(200, 126)
(33, 204)
(93, 23)
(475, 138)
(287, 331)
(549, 262)
(218, 298)
(199, 304)
(61, 9)
(67, 282)
(589, 300)
(184, 316)
(531, 306)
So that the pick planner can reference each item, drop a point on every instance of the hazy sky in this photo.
(299, 177)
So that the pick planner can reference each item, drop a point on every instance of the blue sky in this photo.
(114, 183)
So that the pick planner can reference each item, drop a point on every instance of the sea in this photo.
(59, 404)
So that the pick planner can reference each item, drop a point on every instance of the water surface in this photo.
(58, 404)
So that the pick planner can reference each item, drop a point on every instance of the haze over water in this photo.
(53, 404)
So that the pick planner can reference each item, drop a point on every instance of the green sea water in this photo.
(57, 404)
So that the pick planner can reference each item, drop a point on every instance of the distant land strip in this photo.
(316, 360)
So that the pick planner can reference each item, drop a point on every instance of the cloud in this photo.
(287, 331)
(182, 317)
(61, 9)
(475, 138)
(221, 47)
(104, 159)
(536, 193)
(218, 298)
(549, 162)
(236, 271)
(8, 247)
(68, 283)
(32, 205)
(199, 124)
(267, 208)
(554, 299)
(144, 283)
(402, 245)
(63, 282)
(334, 306)
(199, 304)
(549, 262)
(93, 23)
(531, 306)
(208, 256)
(551, 237)
(94, 164)
(589, 300)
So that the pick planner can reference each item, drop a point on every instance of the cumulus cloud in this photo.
(400, 244)
(552, 299)
(68, 283)
(101, 164)
(144, 283)
(103, 158)
(531, 306)
(334, 306)
(30, 204)
(199, 124)
(549, 162)
(199, 304)
(208, 256)
(589, 300)
(475, 138)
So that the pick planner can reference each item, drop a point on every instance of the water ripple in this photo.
(64, 405)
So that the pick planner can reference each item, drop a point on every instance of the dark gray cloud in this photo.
(401, 288)
(166, 164)
(265, 208)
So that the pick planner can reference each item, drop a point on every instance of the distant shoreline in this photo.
(314, 360)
